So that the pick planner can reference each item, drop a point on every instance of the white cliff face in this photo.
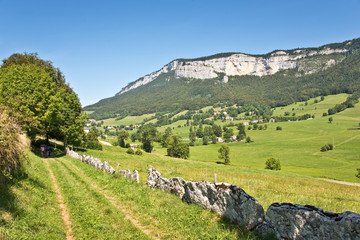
(235, 65)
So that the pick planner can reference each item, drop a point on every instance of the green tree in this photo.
(122, 136)
(48, 105)
(273, 164)
(192, 138)
(148, 134)
(92, 141)
(205, 140)
(176, 148)
(228, 134)
(242, 134)
(358, 173)
(330, 119)
(224, 153)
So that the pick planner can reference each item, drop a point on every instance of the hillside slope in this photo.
(274, 79)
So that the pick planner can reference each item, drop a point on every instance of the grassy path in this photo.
(110, 197)
(64, 212)
(94, 217)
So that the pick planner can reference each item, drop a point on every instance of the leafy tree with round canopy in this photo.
(148, 134)
(48, 106)
(122, 136)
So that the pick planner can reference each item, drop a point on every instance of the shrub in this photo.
(12, 143)
(273, 164)
(130, 151)
(358, 173)
(327, 147)
(278, 128)
(248, 140)
(138, 152)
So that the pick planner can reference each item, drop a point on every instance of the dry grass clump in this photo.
(12, 143)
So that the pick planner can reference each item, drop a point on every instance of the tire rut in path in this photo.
(64, 212)
(113, 201)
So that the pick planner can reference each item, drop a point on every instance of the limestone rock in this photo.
(308, 222)
(227, 200)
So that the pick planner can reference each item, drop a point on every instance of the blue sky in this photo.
(100, 46)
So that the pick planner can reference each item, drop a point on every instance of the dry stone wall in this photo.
(285, 221)
(95, 162)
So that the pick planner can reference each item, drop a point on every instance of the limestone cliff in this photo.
(238, 64)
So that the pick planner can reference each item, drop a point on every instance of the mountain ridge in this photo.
(191, 83)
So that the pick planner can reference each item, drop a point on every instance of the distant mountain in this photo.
(277, 78)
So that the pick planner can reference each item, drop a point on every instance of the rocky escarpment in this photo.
(239, 64)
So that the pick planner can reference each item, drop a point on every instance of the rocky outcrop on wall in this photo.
(105, 167)
(227, 200)
(284, 221)
(307, 222)
(239, 64)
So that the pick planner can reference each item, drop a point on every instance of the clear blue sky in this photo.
(100, 46)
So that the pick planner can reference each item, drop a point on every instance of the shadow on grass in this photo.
(220, 163)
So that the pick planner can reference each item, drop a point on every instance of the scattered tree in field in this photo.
(192, 137)
(213, 139)
(92, 141)
(278, 128)
(327, 147)
(248, 140)
(273, 164)
(148, 134)
(324, 114)
(224, 153)
(242, 134)
(322, 98)
(228, 134)
(176, 148)
(122, 136)
(205, 140)
(330, 119)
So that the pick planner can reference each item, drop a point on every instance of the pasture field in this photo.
(127, 121)
(100, 206)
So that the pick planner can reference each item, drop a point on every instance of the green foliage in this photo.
(122, 136)
(278, 128)
(273, 164)
(176, 148)
(224, 153)
(327, 147)
(92, 141)
(248, 140)
(49, 107)
(148, 134)
(242, 133)
(330, 119)
(349, 103)
(358, 173)
(138, 152)
(130, 151)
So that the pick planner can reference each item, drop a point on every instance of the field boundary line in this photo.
(113, 202)
(64, 211)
